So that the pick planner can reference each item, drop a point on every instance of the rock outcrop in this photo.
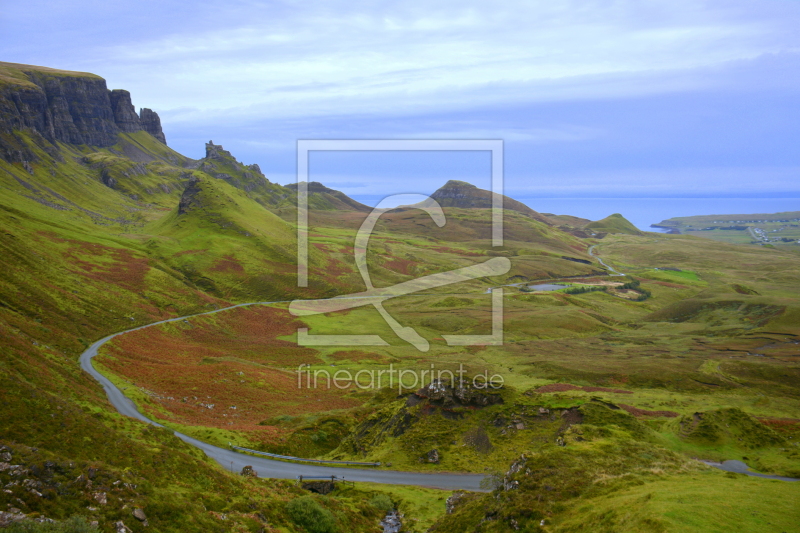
(151, 123)
(62, 106)
(125, 115)
(190, 198)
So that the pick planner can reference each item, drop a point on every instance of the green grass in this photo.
(711, 502)
(82, 259)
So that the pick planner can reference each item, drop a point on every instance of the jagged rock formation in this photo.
(151, 123)
(62, 106)
(124, 113)
(215, 151)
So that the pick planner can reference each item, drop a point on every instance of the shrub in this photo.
(382, 502)
(584, 289)
(631, 284)
(307, 513)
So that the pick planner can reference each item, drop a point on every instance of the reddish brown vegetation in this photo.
(189, 252)
(787, 426)
(401, 266)
(228, 264)
(222, 360)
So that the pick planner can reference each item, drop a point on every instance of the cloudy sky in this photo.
(615, 99)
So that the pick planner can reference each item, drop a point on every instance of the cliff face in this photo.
(125, 115)
(71, 107)
(151, 123)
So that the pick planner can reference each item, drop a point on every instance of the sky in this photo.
(614, 100)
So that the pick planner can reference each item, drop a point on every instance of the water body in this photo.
(546, 287)
(645, 211)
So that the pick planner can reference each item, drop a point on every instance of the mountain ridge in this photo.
(457, 193)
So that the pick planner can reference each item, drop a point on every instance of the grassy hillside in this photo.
(615, 223)
(612, 385)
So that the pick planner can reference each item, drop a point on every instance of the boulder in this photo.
(120, 527)
(432, 456)
(139, 515)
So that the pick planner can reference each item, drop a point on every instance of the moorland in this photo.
(619, 387)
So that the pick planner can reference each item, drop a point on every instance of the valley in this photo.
(647, 356)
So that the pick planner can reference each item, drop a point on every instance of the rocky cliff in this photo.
(70, 107)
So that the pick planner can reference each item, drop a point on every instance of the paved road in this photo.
(268, 467)
(739, 467)
(616, 272)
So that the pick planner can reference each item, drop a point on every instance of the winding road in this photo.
(612, 269)
(270, 468)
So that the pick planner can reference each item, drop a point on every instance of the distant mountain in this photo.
(322, 197)
(615, 223)
(456, 193)
(567, 220)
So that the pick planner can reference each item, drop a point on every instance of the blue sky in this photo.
(616, 99)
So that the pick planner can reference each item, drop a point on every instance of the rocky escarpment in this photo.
(61, 106)
(221, 164)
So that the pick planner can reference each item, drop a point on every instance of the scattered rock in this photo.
(5, 457)
(100, 497)
(440, 394)
(120, 527)
(432, 456)
(8, 518)
(454, 501)
(139, 515)
(391, 523)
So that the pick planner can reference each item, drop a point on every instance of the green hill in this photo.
(615, 223)
(461, 194)
(105, 228)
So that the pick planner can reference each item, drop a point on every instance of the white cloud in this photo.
(412, 57)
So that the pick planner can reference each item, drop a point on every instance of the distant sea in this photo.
(644, 211)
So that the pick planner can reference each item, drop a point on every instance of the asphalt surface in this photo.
(615, 272)
(739, 467)
(270, 468)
